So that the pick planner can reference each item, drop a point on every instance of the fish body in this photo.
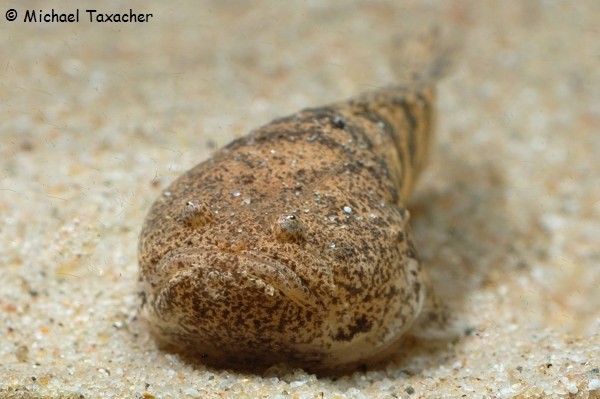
(292, 243)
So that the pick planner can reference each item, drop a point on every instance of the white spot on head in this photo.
(347, 210)
(269, 290)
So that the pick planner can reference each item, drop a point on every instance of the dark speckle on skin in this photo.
(360, 325)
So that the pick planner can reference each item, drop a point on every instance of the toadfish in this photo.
(292, 244)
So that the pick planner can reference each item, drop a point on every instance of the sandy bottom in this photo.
(97, 118)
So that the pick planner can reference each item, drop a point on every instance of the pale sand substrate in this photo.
(96, 119)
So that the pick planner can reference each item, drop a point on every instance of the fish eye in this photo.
(289, 227)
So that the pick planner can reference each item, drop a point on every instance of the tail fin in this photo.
(426, 57)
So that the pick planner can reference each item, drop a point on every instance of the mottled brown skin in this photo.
(292, 244)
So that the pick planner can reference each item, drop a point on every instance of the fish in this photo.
(292, 244)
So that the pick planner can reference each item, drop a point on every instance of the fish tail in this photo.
(424, 58)
(408, 107)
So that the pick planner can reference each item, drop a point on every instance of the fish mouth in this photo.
(212, 269)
